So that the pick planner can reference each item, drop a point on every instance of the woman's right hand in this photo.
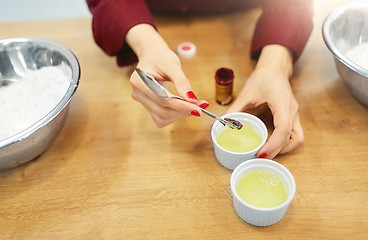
(156, 59)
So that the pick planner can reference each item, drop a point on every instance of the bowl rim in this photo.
(75, 79)
(328, 40)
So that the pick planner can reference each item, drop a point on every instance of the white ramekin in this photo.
(230, 159)
(255, 215)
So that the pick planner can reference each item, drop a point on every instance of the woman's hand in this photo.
(156, 59)
(269, 83)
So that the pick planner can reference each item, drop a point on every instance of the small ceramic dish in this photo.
(259, 216)
(231, 159)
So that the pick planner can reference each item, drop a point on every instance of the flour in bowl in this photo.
(26, 101)
(359, 55)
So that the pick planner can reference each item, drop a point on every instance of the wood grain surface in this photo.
(112, 174)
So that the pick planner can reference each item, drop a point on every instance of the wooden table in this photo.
(112, 174)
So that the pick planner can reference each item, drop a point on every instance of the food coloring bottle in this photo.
(224, 85)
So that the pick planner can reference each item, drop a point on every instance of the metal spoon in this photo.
(160, 91)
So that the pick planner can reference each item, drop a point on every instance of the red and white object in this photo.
(186, 50)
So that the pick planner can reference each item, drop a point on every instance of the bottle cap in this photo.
(186, 50)
(224, 76)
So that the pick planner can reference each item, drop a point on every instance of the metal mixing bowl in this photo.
(16, 56)
(344, 28)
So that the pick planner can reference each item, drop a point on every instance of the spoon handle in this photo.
(223, 121)
(160, 91)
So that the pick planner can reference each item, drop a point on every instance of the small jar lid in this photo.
(224, 76)
(186, 50)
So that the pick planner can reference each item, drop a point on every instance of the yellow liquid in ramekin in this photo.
(262, 189)
(244, 140)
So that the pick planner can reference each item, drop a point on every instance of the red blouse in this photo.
(285, 22)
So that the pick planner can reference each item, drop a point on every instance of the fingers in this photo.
(239, 105)
(164, 65)
(248, 98)
(288, 132)
(182, 85)
(281, 134)
(296, 137)
(283, 139)
(163, 110)
(162, 116)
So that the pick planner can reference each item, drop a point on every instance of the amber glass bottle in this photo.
(224, 85)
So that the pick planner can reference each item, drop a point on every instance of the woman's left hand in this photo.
(269, 83)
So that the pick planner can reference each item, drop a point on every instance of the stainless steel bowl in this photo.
(344, 28)
(16, 56)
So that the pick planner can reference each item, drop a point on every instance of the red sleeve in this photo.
(285, 22)
(111, 21)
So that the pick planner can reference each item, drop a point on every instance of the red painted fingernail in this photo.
(195, 113)
(263, 155)
(204, 105)
(191, 95)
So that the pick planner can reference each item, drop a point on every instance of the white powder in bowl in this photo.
(359, 55)
(26, 101)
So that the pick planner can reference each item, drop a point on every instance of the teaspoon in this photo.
(159, 90)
